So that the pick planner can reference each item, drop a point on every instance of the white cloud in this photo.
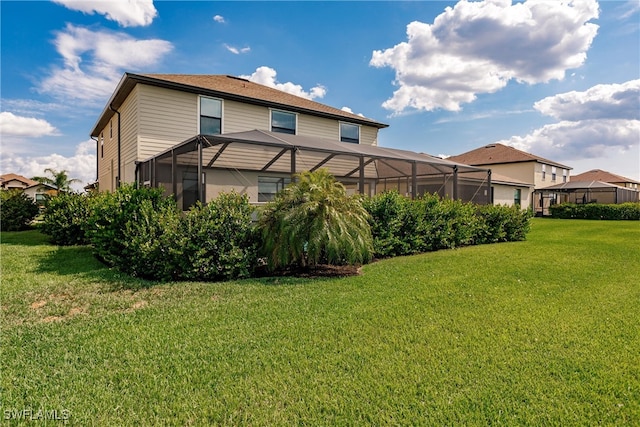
(606, 101)
(601, 123)
(584, 139)
(94, 62)
(19, 126)
(349, 110)
(267, 76)
(631, 7)
(237, 51)
(127, 13)
(82, 165)
(219, 19)
(478, 47)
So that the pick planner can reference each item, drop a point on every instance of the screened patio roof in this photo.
(265, 151)
(270, 151)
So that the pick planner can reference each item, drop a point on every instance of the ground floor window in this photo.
(517, 197)
(268, 186)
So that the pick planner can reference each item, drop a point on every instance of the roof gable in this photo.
(493, 154)
(227, 87)
(8, 177)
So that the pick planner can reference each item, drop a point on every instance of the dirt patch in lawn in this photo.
(318, 271)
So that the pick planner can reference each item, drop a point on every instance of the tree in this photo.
(313, 221)
(60, 180)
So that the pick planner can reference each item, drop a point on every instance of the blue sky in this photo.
(558, 79)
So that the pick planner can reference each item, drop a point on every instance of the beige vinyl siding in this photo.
(368, 135)
(129, 128)
(166, 118)
(239, 117)
(108, 162)
(318, 127)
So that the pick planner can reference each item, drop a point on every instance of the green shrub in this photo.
(491, 224)
(17, 210)
(313, 221)
(396, 224)
(107, 224)
(151, 241)
(624, 211)
(447, 223)
(65, 218)
(218, 240)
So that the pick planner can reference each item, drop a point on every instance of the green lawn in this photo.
(542, 332)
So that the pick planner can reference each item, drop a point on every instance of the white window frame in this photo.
(295, 115)
(200, 112)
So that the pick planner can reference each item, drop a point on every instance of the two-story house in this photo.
(515, 164)
(198, 135)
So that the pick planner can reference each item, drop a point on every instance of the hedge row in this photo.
(142, 233)
(623, 211)
(401, 226)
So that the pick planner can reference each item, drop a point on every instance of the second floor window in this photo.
(210, 116)
(544, 172)
(349, 133)
(283, 122)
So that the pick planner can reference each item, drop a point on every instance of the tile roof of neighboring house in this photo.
(227, 87)
(603, 176)
(13, 176)
(493, 154)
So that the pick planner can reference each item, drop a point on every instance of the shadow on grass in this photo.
(29, 237)
(78, 260)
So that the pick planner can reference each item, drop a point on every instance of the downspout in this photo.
(97, 157)
(119, 145)
(489, 196)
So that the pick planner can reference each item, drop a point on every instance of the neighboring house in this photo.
(12, 181)
(608, 177)
(522, 166)
(198, 135)
(39, 192)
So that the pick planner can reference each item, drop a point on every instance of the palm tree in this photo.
(59, 180)
(313, 221)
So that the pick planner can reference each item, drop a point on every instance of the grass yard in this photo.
(542, 332)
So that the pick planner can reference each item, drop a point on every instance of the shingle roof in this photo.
(13, 176)
(227, 87)
(603, 176)
(493, 154)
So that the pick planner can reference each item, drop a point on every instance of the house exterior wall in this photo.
(166, 118)
(505, 195)
(14, 184)
(154, 119)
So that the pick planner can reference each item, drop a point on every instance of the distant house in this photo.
(596, 186)
(604, 176)
(34, 189)
(39, 192)
(12, 181)
(198, 135)
(537, 172)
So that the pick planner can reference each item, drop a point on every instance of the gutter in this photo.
(119, 145)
